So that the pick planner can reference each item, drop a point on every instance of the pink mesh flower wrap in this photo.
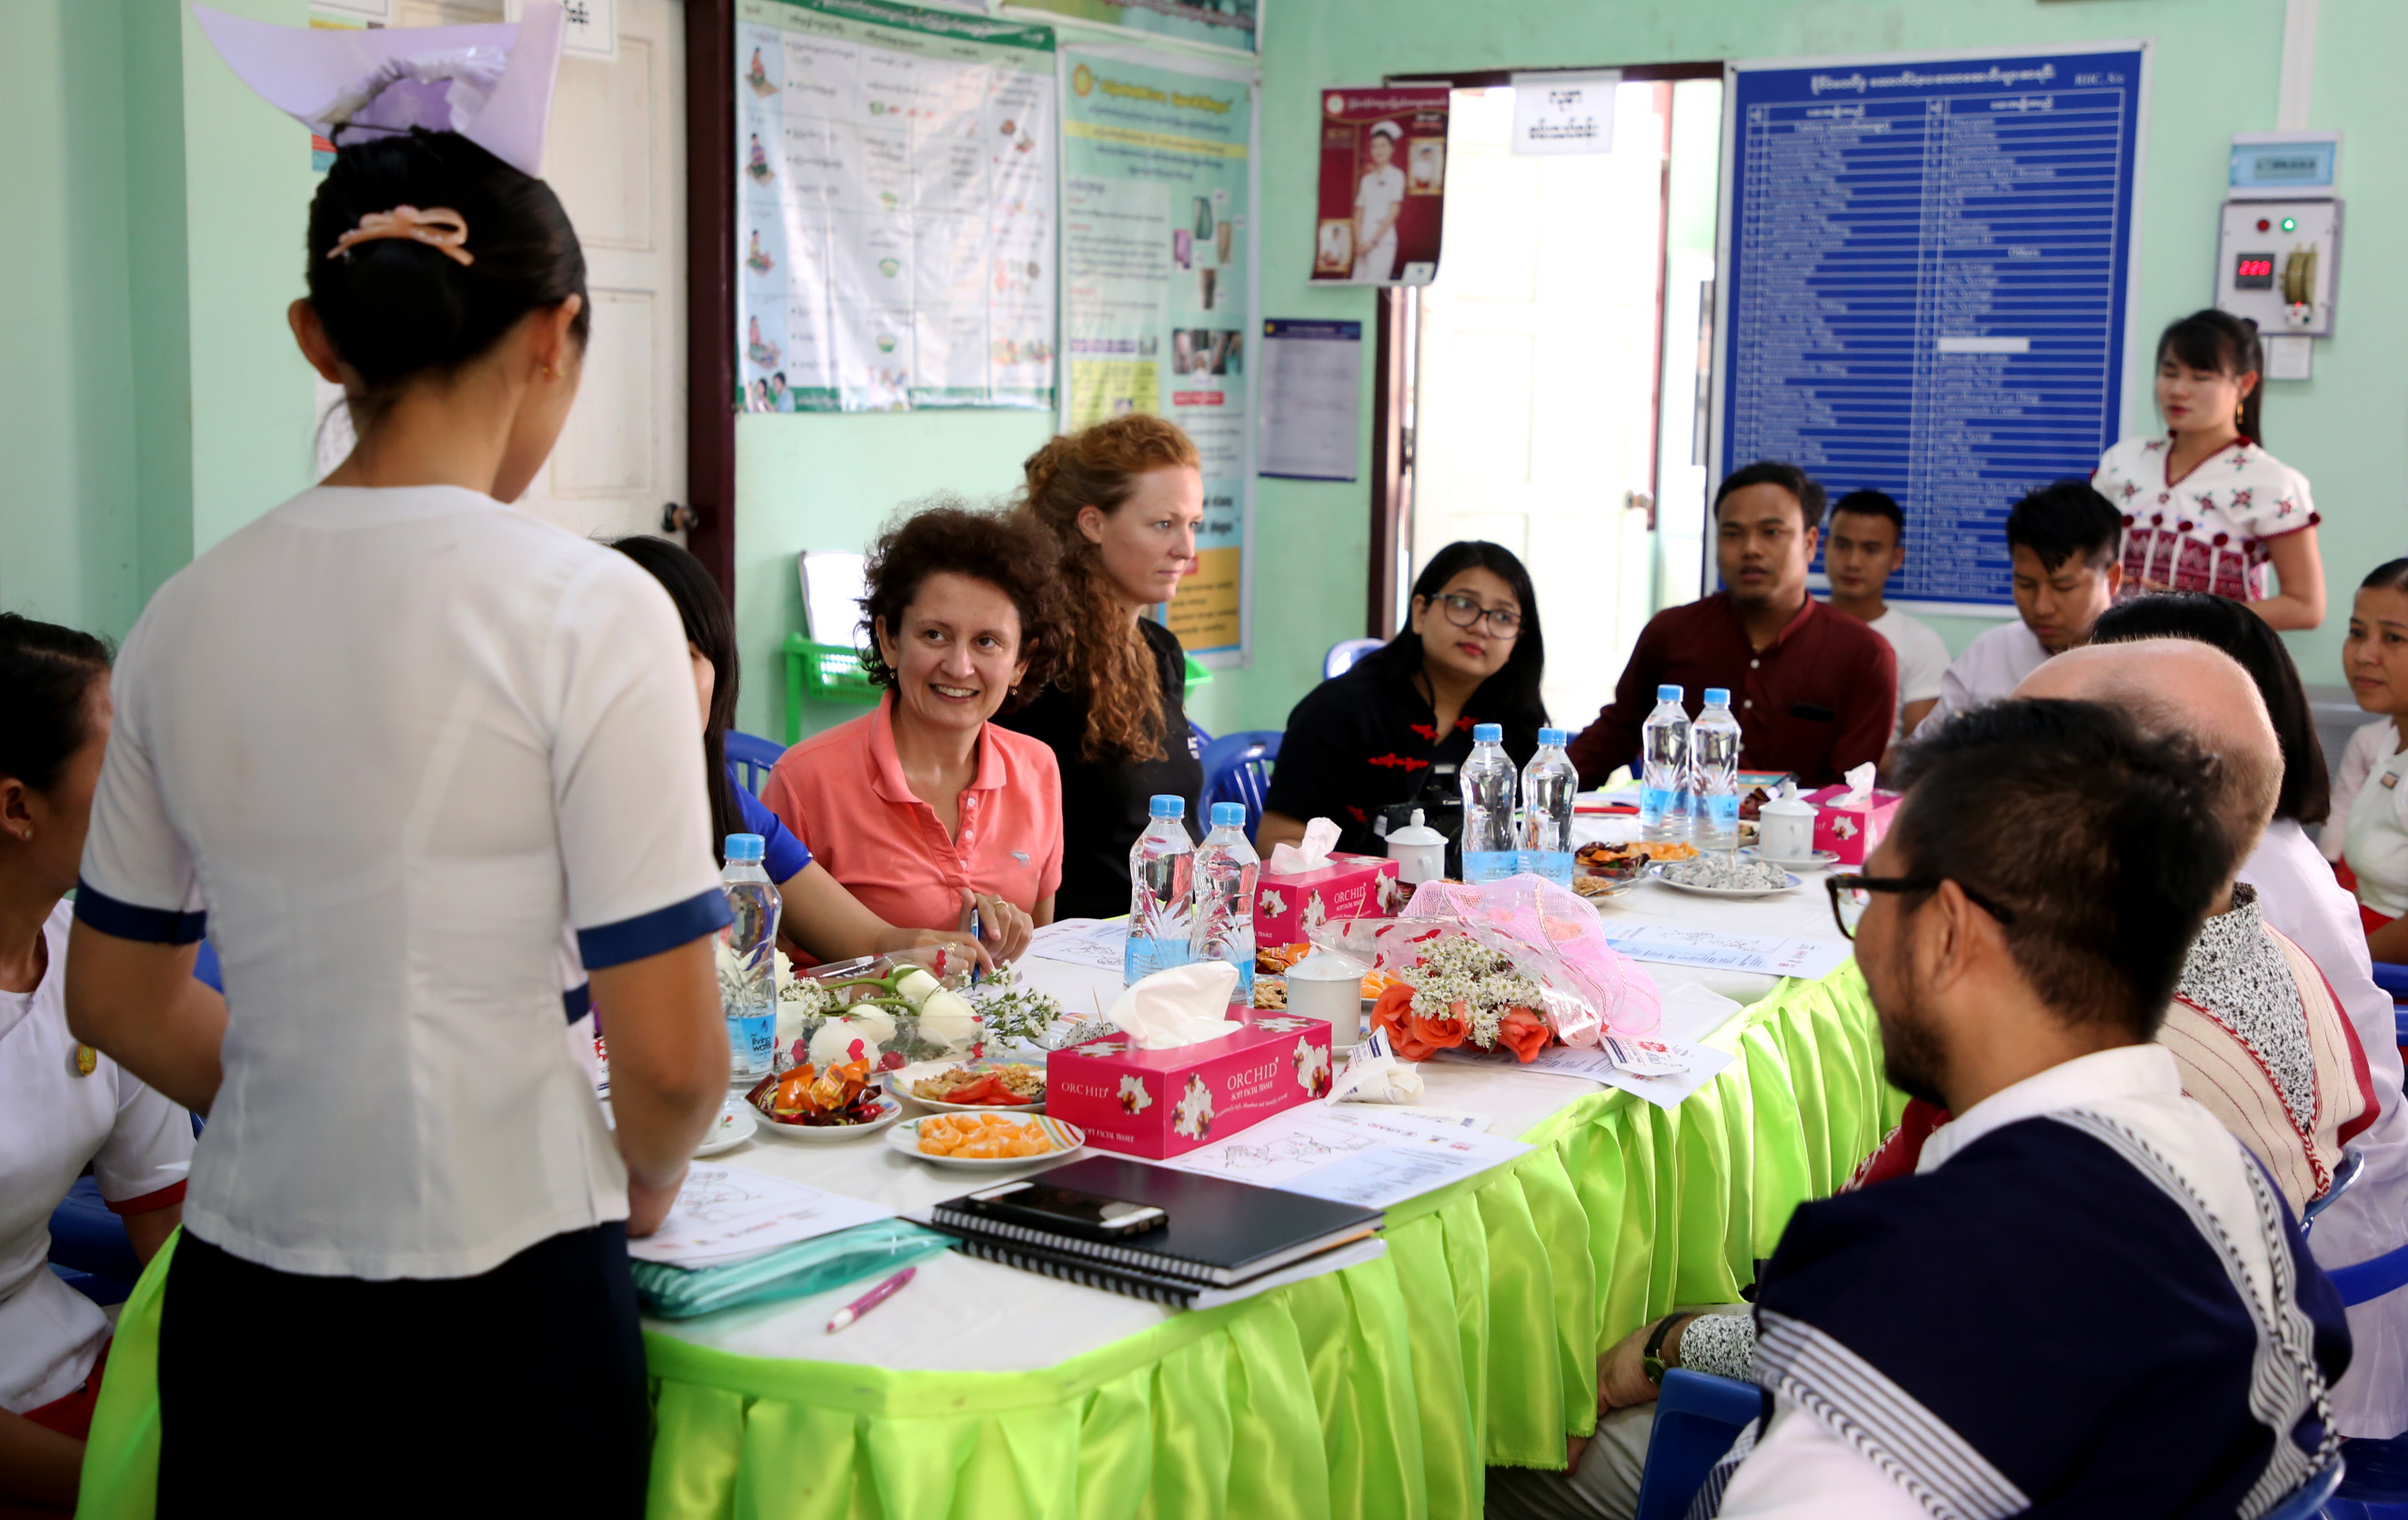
(1552, 935)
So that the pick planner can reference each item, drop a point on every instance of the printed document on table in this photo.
(1701, 1065)
(726, 1214)
(1101, 945)
(1355, 1154)
(1716, 949)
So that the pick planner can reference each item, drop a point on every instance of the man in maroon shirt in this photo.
(1814, 691)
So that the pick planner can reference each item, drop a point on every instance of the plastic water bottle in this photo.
(1162, 888)
(748, 990)
(1664, 762)
(1226, 868)
(1714, 740)
(1548, 786)
(1489, 848)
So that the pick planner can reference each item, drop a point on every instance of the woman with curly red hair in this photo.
(1122, 500)
(925, 809)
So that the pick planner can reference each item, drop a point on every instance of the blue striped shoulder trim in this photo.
(127, 921)
(578, 1002)
(650, 933)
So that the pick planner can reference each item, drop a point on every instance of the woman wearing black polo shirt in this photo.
(1470, 653)
(1122, 499)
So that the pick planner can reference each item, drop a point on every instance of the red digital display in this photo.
(2253, 272)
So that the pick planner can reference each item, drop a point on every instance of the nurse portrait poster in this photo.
(1382, 186)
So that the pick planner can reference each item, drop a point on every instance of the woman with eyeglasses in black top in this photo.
(1469, 652)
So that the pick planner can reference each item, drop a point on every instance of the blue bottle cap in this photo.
(1168, 807)
(1668, 693)
(1717, 696)
(1552, 737)
(1228, 815)
(744, 847)
(1488, 734)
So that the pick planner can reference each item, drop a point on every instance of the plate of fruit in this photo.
(837, 1103)
(986, 1142)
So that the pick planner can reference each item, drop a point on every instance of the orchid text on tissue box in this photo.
(1159, 1104)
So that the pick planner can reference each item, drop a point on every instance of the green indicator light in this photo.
(2291, 224)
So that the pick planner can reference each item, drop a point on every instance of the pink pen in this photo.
(872, 1300)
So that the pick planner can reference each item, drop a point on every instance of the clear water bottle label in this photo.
(1143, 956)
(753, 1042)
(1656, 802)
(1489, 865)
(1722, 812)
(1554, 865)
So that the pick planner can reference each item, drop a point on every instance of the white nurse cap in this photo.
(1386, 128)
(491, 84)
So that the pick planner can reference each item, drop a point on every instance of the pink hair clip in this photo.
(439, 228)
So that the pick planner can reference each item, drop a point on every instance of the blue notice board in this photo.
(1926, 266)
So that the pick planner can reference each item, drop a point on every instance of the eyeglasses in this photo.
(1465, 611)
(1852, 895)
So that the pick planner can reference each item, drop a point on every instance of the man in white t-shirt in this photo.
(2062, 541)
(1865, 545)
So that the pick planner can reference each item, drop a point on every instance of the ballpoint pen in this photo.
(975, 937)
(872, 1300)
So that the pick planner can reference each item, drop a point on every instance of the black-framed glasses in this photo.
(1466, 612)
(1851, 895)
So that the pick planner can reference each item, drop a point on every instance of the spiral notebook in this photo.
(1218, 1233)
(1178, 1293)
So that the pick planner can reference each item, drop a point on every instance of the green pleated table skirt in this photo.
(1382, 1392)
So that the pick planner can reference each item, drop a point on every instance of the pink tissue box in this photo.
(1851, 829)
(1160, 1104)
(1349, 886)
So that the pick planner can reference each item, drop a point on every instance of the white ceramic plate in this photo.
(889, 1109)
(736, 1125)
(899, 1082)
(1655, 874)
(1822, 860)
(1066, 1139)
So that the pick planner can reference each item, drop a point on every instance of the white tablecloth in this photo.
(961, 1314)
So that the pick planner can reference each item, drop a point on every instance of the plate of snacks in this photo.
(986, 1142)
(973, 1086)
(1597, 888)
(1271, 992)
(837, 1103)
(1823, 859)
(1722, 875)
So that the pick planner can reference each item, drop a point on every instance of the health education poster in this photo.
(1217, 24)
(1382, 186)
(1158, 290)
(895, 192)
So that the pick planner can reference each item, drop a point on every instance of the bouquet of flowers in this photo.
(888, 1010)
(1509, 965)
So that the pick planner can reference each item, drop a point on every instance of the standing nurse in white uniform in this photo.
(2206, 508)
(424, 765)
(1379, 200)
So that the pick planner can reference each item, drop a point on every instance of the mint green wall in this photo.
(152, 402)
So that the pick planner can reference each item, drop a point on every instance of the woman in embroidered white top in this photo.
(2205, 508)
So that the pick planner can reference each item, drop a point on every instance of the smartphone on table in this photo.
(1093, 1216)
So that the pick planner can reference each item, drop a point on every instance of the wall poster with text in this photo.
(1217, 24)
(1382, 205)
(895, 208)
(1158, 265)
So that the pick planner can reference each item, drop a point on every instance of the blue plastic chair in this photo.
(1238, 769)
(1697, 1416)
(2307, 1501)
(1343, 654)
(89, 1246)
(2353, 1161)
(750, 758)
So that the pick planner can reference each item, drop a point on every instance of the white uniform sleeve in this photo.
(1922, 664)
(1801, 1471)
(138, 880)
(149, 1146)
(1955, 697)
(2369, 744)
(626, 770)
(2279, 505)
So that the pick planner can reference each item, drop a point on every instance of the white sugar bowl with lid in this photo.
(1419, 851)
(1784, 828)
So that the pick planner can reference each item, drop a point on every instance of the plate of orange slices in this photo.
(986, 1142)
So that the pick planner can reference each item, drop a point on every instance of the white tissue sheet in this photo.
(1860, 783)
(1320, 838)
(1182, 1006)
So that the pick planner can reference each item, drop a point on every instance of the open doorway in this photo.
(1550, 377)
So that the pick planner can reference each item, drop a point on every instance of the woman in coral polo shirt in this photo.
(924, 809)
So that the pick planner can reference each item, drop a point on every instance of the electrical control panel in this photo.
(2278, 264)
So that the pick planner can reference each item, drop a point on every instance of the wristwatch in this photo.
(1650, 1362)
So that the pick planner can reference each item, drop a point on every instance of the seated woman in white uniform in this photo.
(68, 1107)
(427, 764)
(2368, 836)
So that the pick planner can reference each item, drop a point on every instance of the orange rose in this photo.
(1389, 1013)
(1524, 1033)
(1444, 1033)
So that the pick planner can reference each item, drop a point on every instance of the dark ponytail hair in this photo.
(710, 628)
(2219, 341)
(2390, 576)
(47, 674)
(394, 308)
(1510, 697)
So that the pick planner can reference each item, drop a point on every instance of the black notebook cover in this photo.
(1218, 1231)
